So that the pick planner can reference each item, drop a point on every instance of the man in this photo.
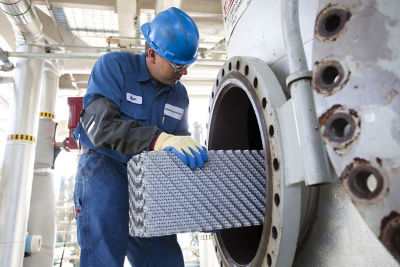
(133, 103)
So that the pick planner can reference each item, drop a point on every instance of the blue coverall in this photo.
(123, 82)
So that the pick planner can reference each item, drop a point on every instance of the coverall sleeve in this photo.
(102, 123)
(106, 80)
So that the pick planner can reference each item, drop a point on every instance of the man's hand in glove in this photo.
(184, 147)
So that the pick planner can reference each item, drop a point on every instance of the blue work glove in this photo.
(184, 147)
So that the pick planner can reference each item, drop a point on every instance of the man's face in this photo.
(162, 71)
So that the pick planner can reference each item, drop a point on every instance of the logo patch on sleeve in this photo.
(173, 111)
(135, 99)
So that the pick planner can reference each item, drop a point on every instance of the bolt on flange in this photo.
(340, 127)
(330, 22)
(329, 76)
(362, 180)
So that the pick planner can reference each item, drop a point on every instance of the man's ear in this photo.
(151, 54)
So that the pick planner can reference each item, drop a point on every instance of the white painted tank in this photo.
(304, 226)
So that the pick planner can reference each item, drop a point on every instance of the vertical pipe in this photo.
(42, 214)
(207, 256)
(17, 168)
(315, 160)
(291, 33)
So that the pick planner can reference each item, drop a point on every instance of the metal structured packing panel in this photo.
(167, 197)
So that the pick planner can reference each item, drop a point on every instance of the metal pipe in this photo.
(314, 157)
(17, 168)
(98, 48)
(206, 52)
(110, 38)
(207, 255)
(6, 80)
(27, 25)
(292, 37)
(42, 215)
(50, 8)
(66, 244)
(79, 56)
(68, 56)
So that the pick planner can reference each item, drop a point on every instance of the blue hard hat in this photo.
(173, 35)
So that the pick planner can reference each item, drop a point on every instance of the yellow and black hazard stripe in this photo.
(21, 137)
(47, 115)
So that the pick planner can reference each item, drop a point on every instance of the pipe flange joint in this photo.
(298, 75)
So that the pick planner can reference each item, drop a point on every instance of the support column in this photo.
(42, 215)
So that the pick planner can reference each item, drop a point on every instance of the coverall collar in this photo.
(144, 74)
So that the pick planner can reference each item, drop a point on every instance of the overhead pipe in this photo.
(53, 17)
(315, 160)
(67, 56)
(97, 48)
(42, 212)
(94, 57)
(17, 168)
(6, 79)
(206, 52)
(111, 38)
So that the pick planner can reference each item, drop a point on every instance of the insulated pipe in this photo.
(42, 214)
(97, 48)
(314, 157)
(6, 80)
(17, 169)
(69, 56)
(51, 11)
(207, 255)
(94, 57)
(27, 26)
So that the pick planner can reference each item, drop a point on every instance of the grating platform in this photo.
(167, 197)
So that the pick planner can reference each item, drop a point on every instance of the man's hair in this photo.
(146, 48)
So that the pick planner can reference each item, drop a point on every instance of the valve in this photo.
(75, 108)
(7, 66)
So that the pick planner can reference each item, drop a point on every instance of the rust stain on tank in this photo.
(341, 145)
(320, 72)
(327, 27)
(390, 96)
(354, 114)
(390, 232)
(347, 170)
(355, 177)
(379, 161)
(324, 118)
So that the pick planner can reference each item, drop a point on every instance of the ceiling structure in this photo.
(91, 26)
(109, 25)
(95, 27)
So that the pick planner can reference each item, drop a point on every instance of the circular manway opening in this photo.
(234, 126)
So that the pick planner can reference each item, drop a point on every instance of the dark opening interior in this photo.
(234, 126)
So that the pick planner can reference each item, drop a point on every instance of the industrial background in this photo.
(313, 84)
